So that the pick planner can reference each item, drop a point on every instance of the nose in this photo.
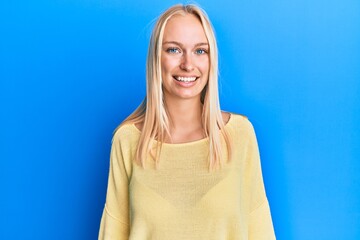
(186, 62)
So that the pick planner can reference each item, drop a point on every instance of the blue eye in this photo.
(201, 51)
(173, 50)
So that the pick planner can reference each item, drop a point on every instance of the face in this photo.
(184, 58)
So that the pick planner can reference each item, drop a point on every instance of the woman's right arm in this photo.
(115, 218)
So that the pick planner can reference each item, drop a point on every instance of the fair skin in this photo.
(185, 71)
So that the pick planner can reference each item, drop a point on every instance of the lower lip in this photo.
(186, 84)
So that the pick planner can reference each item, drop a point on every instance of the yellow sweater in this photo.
(182, 199)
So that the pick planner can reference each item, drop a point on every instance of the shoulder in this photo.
(240, 124)
(126, 132)
(124, 144)
(236, 118)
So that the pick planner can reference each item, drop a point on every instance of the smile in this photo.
(185, 79)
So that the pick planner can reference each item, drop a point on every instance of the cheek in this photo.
(168, 64)
(163, 65)
(205, 68)
(204, 65)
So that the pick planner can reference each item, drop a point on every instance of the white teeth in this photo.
(185, 79)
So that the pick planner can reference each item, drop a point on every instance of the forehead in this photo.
(185, 29)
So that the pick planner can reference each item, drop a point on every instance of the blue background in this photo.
(71, 71)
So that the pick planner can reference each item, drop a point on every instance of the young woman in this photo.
(179, 167)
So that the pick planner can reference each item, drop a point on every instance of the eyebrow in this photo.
(177, 43)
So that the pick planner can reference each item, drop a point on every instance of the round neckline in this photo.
(187, 143)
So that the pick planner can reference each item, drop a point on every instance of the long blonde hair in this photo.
(152, 113)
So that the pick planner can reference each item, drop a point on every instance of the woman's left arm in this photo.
(260, 222)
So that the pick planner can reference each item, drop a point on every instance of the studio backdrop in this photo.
(72, 70)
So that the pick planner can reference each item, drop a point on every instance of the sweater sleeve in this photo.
(260, 222)
(115, 218)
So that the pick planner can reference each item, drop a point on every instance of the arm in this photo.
(115, 218)
(260, 222)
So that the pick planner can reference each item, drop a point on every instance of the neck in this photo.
(184, 113)
(185, 118)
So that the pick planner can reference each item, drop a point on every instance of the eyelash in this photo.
(173, 50)
(201, 49)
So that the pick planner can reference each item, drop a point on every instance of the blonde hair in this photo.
(152, 113)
